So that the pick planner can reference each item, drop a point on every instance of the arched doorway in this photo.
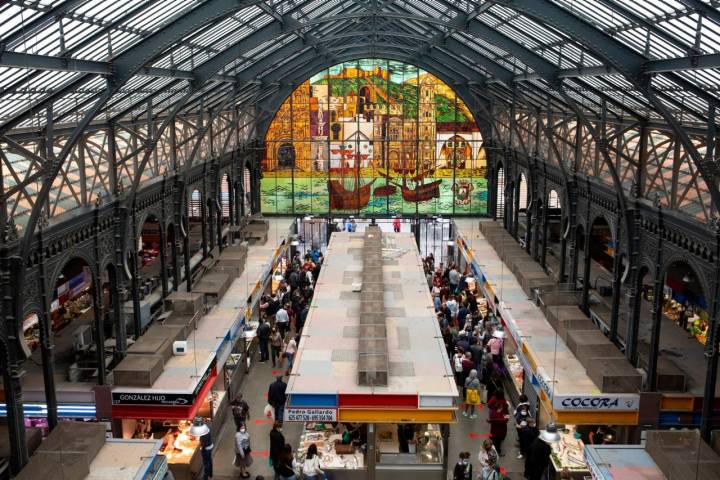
(225, 198)
(602, 250)
(685, 301)
(554, 224)
(500, 192)
(148, 251)
(522, 198)
(195, 222)
(247, 188)
(72, 323)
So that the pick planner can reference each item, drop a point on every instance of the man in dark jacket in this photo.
(537, 459)
(276, 397)
(263, 334)
(277, 446)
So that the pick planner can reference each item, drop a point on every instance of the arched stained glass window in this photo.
(377, 137)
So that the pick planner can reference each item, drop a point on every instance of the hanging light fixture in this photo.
(199, 428)
(686, 278)
(550, 434)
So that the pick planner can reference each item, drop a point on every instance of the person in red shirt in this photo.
(396, 224)
(498, 427)
(498, 399)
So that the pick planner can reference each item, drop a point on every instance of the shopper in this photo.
(285, 466)
(276, 397)
(528, 434)
(463, 468)
(276, 344)
(311, 466)
(290, 351)
(243, 452)
(263, 335)
(453, 279)
(206, 451)
(498, 421)
(491, 471)
(277, 446)
(488, 454)
(473, 394)
(282, 318)
(240, 411)
(496, 346)
(538, 458)
(498, 398)
(396, 224)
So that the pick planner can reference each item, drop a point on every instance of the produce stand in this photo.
(406, 421)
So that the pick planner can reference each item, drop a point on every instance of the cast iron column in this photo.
(98, 301)
(120, 322)
(617, 280)
(9, 364)
(46, 343)
(713, 343)
(586, 260)
(163, 244)
(656, 310)
(135, 282)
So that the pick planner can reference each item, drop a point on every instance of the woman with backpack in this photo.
(473, 395)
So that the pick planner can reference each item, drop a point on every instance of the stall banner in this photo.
(311, 414)
(160, 398)
(602, 402)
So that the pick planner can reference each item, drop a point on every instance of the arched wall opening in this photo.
(72, 324)
(377, 137)
(602, 250)
(195, 212)
(149, 249)
(225, 191)
(555, 224)
(500, 193)
(522, 194)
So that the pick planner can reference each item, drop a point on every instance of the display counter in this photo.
(341, 461)
(567, 454)
(182, 451)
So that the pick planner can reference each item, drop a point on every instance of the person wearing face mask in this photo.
(243, 452)
(277, 446)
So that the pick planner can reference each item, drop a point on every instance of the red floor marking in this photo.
(503, 471)
(260, 453)
(475, 436)
(278, 372)
(263, 422)
(265, 394)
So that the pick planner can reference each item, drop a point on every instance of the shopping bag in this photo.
(269, 412)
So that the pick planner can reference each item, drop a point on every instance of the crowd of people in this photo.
(282, 318)
(474, 341)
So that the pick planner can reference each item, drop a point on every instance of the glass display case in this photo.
(517, 373)
(567, 454)
(409, 444)
(333, 453)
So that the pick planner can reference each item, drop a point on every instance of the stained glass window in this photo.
(377, 137)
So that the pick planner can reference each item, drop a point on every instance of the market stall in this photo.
(626, 462)
(539, 361)
(405, 422)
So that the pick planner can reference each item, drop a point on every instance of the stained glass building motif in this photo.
(374, 136)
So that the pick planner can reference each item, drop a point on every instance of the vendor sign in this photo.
(311, 414)
(602, 402)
